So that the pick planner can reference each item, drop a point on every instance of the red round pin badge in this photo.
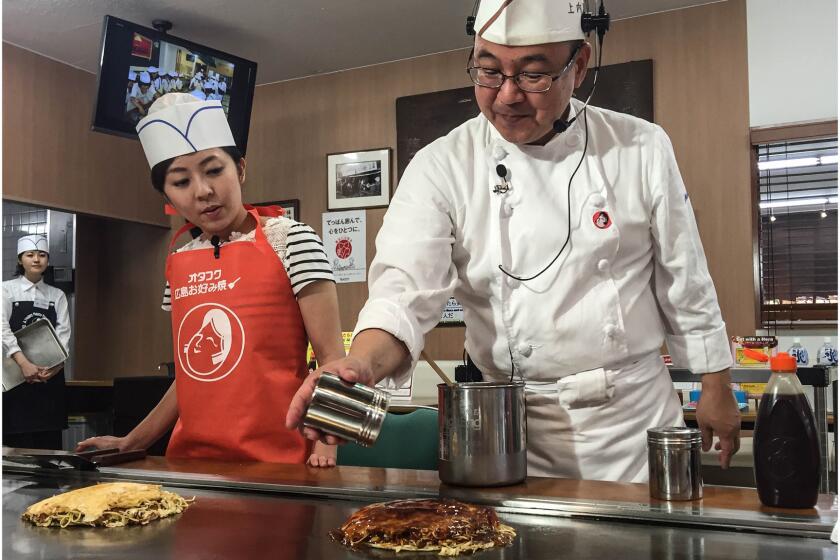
(601, 220)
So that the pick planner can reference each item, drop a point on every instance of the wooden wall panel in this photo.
(120, 328)
(52, 158)
(700, 96)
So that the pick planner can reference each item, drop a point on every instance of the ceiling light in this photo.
(772, 218)
(826, 160)
(797, 202)
(786, 163)
(823, 214)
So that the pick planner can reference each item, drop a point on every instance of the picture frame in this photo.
(291, 207)
(360, 179)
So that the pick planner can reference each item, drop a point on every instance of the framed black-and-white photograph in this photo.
(359, 179)
(290, 207)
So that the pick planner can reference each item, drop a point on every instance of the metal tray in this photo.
(86, 460)
(39, 343)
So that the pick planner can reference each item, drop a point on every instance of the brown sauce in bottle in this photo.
(787, 453)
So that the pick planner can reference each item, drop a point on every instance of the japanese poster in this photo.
(345, 238)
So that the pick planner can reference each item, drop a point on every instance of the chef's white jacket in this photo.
(614, 295)
(41, 294)
(586, 334)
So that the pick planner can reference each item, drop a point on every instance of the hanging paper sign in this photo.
(453, 313)
(345, 239)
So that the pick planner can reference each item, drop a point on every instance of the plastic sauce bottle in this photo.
(787, 453)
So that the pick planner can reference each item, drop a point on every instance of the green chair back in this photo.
(406, 441)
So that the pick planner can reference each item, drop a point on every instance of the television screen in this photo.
(139, 64)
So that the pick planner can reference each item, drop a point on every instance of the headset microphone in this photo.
(471, 19)
(216, 243)
(600, 24)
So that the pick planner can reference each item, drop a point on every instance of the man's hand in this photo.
(349, 369)
(717, 415)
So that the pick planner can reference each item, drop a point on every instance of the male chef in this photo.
(567, 235)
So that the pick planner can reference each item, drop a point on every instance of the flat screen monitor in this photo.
(139, 64)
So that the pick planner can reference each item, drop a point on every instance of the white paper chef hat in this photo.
(144, 78)
(179, 124)
(173, 74)
(132, 75)
(153, 69)
(528, 22)
(32, 243)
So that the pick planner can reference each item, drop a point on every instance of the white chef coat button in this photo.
(603, 265)
(507, 209)
(499, 153)
(598, 201)
(525, 349)
(572, 138)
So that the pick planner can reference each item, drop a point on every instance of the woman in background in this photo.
(34, 412)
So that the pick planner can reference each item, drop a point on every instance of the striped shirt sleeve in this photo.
(305, 259)
(166, 304)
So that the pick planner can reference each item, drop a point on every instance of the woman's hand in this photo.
(322, 455)
(31, 372)
(47, 373)
(103, 442)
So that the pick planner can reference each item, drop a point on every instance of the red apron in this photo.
(240, 352)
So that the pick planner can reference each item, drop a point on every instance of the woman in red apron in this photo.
(241, 317)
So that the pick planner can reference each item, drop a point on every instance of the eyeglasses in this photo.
(530, 82)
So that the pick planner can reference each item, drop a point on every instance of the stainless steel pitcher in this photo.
(482, 433)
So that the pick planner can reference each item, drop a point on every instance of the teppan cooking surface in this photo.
(253, 523)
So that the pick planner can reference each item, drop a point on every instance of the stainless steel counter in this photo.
(235, 522)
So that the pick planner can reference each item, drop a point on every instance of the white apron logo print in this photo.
(207, 282)
(210, 343)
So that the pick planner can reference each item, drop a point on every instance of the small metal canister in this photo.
(674, 463)
(350, 411)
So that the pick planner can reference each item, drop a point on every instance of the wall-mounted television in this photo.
(139, 64)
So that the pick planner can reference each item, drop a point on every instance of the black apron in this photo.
(34, 407)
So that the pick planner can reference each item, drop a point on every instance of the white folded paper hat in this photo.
(32, 243)
(179, 124)
(145, 78)
(518, 23)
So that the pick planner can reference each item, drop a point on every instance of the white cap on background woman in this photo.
(32, 243)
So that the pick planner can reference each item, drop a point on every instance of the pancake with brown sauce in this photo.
(448, 527)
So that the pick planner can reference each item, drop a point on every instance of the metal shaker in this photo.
(674, 463)
(350, 411)
(482, 433)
